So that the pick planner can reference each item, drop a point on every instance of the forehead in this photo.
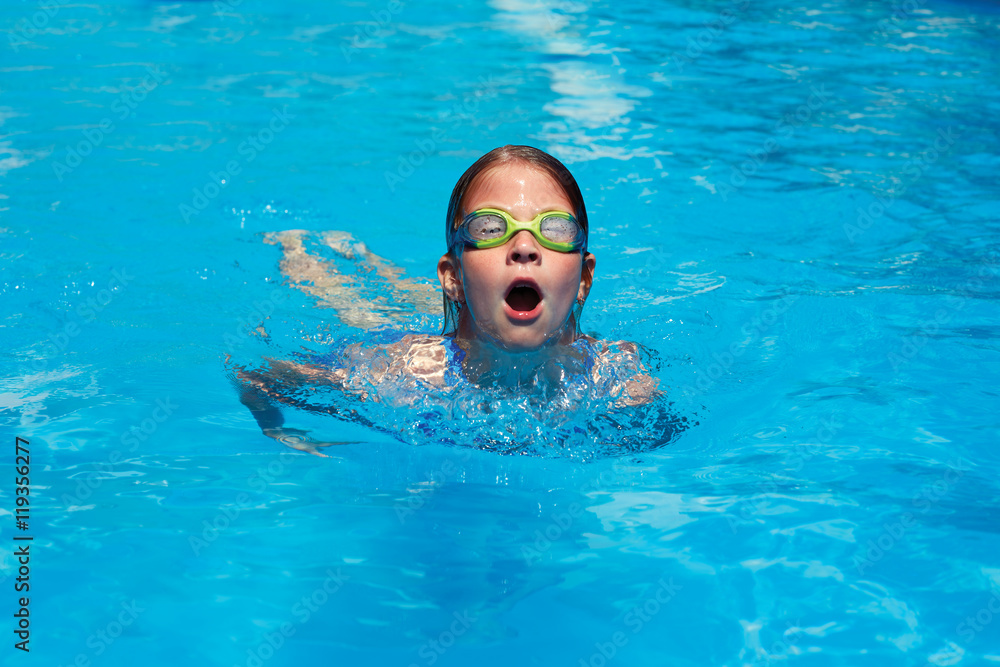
(516, 185)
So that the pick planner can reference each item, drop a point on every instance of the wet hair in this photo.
(498, 157)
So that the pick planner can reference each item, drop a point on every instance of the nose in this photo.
(523, 248)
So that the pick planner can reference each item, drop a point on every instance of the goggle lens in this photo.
(559, 229)
(488, 228)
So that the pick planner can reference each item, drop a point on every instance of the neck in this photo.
(490, 365)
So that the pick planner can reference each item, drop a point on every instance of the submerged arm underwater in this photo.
(348, 296)
(261, 392)
(251, 388)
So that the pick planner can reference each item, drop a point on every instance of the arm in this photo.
(256, 390)
(262, 390)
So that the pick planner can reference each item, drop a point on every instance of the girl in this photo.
(515, 277)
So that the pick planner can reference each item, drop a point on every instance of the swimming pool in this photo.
(793, 207)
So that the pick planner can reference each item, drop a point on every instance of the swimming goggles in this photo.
(491, 227)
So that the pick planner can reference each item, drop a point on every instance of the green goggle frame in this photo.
(492, 227)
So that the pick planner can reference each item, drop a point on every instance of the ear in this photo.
(450, 275)
(586, 277)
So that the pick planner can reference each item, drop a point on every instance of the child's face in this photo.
(520, 294)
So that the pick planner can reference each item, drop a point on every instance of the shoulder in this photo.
(619, 366)
(615, 352)
(406, 346)
(425, 356)
(415, 355)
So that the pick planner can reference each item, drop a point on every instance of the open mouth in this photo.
(523, 298)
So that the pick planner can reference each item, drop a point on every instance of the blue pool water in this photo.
(793, 208)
